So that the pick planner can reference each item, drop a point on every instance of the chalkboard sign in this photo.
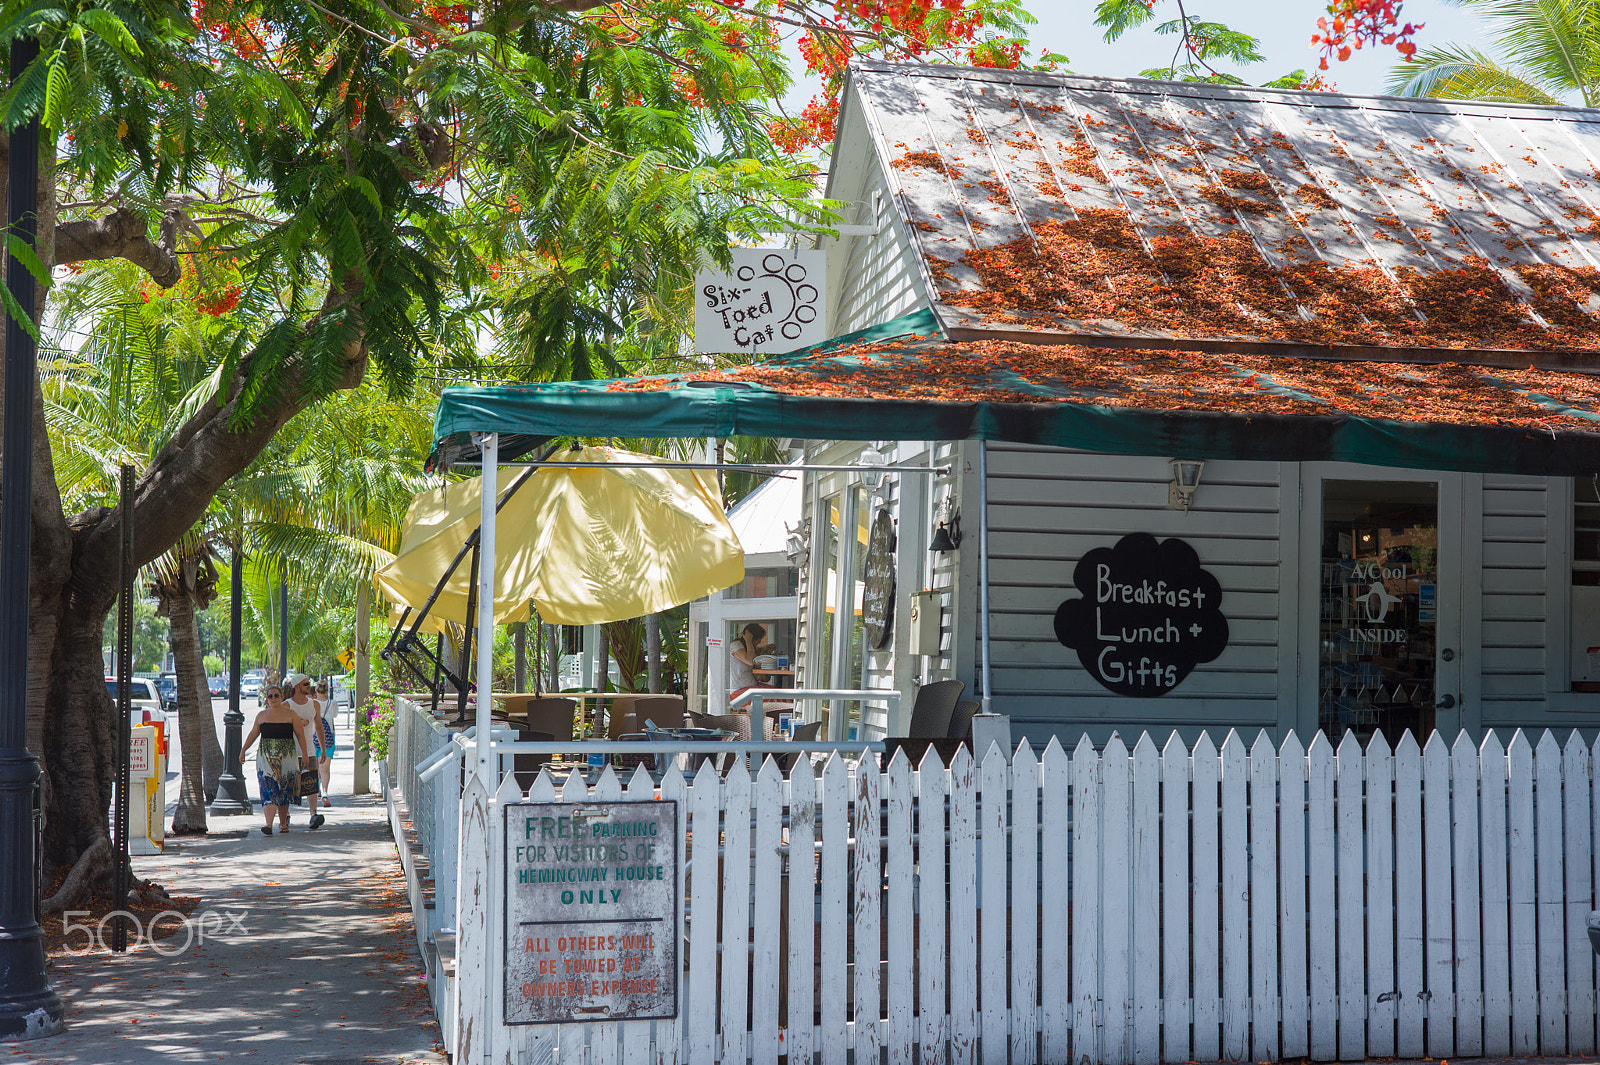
(1148, 615)
(877, 598)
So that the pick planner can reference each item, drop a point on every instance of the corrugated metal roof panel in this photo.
(1158, 213)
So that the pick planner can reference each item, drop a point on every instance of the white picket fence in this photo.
(1103, 906)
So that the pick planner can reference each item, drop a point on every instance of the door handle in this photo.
(1444, 702)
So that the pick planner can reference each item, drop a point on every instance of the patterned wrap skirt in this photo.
(278, 771)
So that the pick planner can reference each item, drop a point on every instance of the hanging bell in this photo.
(946, 528)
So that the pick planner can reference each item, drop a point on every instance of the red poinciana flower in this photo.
(1351, 23)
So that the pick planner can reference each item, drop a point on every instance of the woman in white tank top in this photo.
(299, 698)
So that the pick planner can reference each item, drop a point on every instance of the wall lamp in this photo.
(798, 546)
(1185, 479)
(946, 527)
(872, 461)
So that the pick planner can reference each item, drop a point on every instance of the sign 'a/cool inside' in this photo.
(591, 911)
(770, 303)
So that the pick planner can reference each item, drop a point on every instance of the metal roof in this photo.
(1161, 214)
(761, 519)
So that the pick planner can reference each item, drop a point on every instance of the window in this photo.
(764, 584)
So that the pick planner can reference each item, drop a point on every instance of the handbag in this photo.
(308, 780)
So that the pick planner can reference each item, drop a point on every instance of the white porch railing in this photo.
(1110, 906)
(430, 849)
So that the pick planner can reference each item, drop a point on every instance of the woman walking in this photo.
(299, 697)
(285, 746)
(325, 752)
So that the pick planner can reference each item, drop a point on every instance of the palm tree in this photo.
(184, 580)
(325, 504)
(1548, 52)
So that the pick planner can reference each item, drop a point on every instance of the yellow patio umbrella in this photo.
(436, 623)
(587, 545)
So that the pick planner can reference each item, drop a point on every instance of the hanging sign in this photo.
(591, 920)
(877, 595)
(770, 303)
(1148, 614)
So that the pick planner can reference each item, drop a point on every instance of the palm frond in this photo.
(1450, 72)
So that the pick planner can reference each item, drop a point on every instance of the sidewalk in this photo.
(308, 955)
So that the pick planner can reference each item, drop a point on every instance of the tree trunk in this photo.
(190, 816)
(519, 642)
(363, 778)
(652, 651)
(212, 758)
(74, 563)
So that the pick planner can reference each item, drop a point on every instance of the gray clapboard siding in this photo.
(1050, 506)
(1513, 657)
(880, 279)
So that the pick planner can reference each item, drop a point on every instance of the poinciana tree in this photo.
(330, 185)
(325, 498)
(1201, 46)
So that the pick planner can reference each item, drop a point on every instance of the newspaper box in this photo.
(147, 790)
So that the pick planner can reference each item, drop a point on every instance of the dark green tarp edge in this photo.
(702, 408)
(703, 412)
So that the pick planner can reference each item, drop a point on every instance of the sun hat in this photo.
(294, 681)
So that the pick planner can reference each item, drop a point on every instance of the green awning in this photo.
(901, 381)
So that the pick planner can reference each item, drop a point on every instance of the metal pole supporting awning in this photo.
(488, 510)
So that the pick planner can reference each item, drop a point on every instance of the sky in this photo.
(1284, 28)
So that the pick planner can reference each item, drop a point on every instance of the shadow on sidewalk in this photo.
(301, 951)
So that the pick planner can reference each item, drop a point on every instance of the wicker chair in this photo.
(544, 721)
(961, 718)
(806, 733)
(931, 713)
(629, 715)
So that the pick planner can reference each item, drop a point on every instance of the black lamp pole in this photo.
(232, 797)
(283, 627)
(29, 1009)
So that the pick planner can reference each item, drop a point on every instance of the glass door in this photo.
(1380, 599)
(1378, 610)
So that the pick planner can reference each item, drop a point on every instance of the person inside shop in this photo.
(752, 641)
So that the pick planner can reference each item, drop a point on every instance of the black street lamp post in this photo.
(283, 625)
(29, 1009)
(232, 798)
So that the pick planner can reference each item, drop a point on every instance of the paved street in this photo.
(308, 955)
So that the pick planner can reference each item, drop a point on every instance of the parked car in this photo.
(147, 708)
(218, 687)
(250, 685)
(167, 685)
